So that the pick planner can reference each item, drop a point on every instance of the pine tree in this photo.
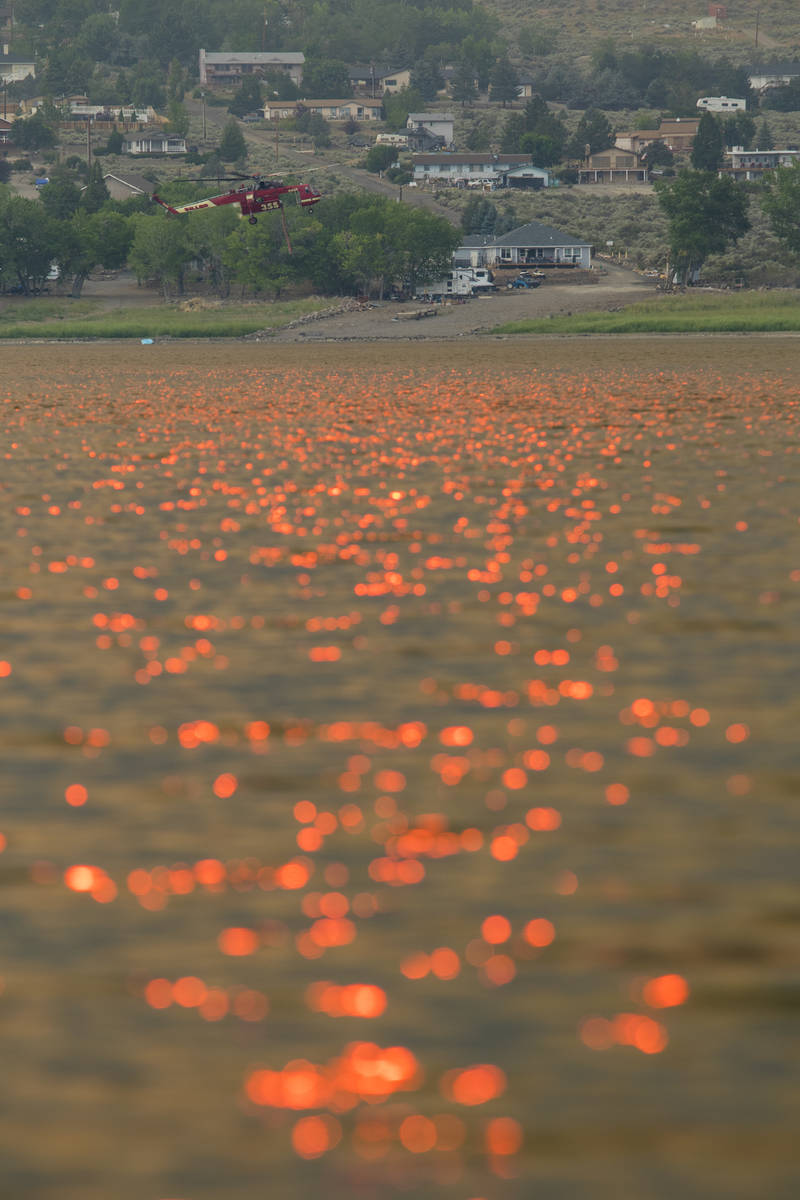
(503, 82)
(707, 150)
(463, 84)
(765, 140)
(95, 194)
(232, 147)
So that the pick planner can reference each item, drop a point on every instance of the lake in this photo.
(399, 789)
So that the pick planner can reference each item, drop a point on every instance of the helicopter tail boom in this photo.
(177, 209)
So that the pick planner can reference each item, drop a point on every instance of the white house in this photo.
(15, 67)
(435, 123)
(723, 104)
(772, 76)
(531, 245)
(111, 112)
(230, 66)
(152, 141)
(465, 168)
(754, 164)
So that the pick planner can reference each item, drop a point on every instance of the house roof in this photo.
(478, 160)
(532, 234)
(777, 68)
(528, 168)
(365, 71)
(431, 116)
(137, 183)
(16, 60)
(256, 57)
(151, 134)
(308, 102)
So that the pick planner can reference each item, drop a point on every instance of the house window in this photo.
(505, 253)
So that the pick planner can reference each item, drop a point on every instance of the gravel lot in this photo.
(383, 322)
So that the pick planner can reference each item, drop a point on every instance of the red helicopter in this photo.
(256, 196)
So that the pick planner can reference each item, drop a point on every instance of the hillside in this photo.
(660, 22)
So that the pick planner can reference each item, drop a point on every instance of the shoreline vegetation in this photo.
(772, 312)
(58, 319)
(86, 320)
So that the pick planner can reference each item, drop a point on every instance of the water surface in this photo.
(399, 771)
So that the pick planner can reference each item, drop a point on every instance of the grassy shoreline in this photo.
(59, 320)
(771, 312)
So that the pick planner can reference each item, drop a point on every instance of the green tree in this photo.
(426, 78)
(544, 150)
(380, 157)
(178, 118)
(326, 79)
(657, 154)
(319, 130)
(705, 213)
(99, 38)
(400, 104)
(206, 235)
(248, 97)
(477, 51)
(463, 83)
(27, 241)
(765, 140)
(503, 82)
(92, 239)
(594, 130)
(781, 203)
(739, 129)
(478, 138)
(33, 133)
(708, 146)
(95, 195)
(257, 258)
(514, 131)
(232, 146)
(114, 143)
(479, 216)
(160, 251)
(176, 81)
(61, 196)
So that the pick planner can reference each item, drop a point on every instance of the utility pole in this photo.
(758, 16)
(203, 101)
(89, 141)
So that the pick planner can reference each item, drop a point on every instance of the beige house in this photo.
(229, 67)
(612, 166)
(124, 186)
(677, 134)
(378, 81)
(357, 109)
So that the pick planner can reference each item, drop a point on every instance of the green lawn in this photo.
(85, 319)
(735, 312)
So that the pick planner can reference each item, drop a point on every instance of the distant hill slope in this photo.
(663, 22)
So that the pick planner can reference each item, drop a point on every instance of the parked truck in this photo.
(461, 281)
